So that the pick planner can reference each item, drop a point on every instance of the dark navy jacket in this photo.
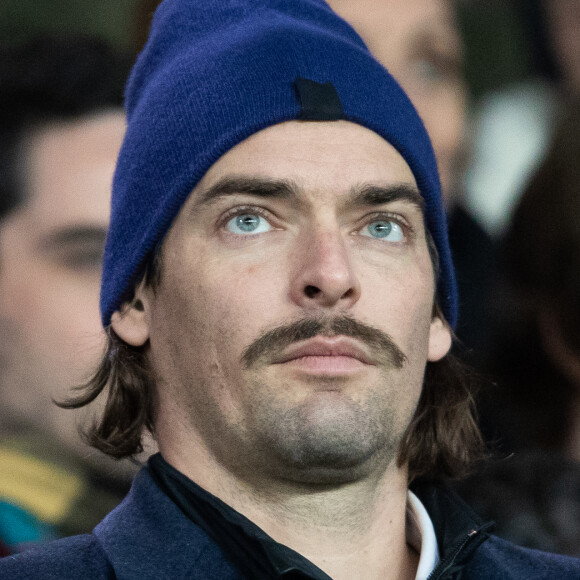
(148, 538)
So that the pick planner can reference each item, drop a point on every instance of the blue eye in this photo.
(387, 230)
(427, 71)
(248, 223)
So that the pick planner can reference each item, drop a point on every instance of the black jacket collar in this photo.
(256, 555)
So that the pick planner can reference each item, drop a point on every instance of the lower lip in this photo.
(327, 365)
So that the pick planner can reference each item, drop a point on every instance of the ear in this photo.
(439, 340)
(132, 321)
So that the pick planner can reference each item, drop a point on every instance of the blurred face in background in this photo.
(563, 18)
(50, 264)
(419, 43)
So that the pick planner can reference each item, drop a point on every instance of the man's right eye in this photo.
(248, 223)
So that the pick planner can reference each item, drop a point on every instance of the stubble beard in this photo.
(336, 430)
(329, 437)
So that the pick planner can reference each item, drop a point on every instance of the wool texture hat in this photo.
(214, 72)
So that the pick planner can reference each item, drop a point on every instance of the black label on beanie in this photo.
(318, 101)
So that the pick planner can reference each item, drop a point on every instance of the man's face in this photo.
(418, 42)
(292, 323)
(50, 262)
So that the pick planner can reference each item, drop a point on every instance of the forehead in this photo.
(69, 169)
(388, 27)
(326, 156)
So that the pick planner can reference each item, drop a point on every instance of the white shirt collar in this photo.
(421, 536)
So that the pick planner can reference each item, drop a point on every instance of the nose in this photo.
(324, 273)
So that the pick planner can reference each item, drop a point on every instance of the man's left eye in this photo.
(387, 230)
(248, 223)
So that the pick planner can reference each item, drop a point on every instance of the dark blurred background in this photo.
(501, 34)
(111, 19)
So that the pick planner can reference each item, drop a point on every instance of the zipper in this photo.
(444, 566)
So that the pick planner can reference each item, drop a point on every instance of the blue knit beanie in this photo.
(214, 72)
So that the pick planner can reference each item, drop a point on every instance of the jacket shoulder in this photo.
(66, 559)
(148, 537)
(497, 559)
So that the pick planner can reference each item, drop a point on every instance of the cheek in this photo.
(412, 319)
(200, 328)
(443, 109)
(55, 312)
(216, 307)
(444, 119)
(444, 116)
(400, 302)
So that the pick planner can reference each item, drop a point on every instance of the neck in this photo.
(349, 530)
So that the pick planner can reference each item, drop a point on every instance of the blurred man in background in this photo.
(62, 127)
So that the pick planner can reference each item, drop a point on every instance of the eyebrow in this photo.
(373, 195)
(258, 186)
(360, 195)
(74, 235)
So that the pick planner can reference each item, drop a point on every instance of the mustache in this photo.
(279, 338)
